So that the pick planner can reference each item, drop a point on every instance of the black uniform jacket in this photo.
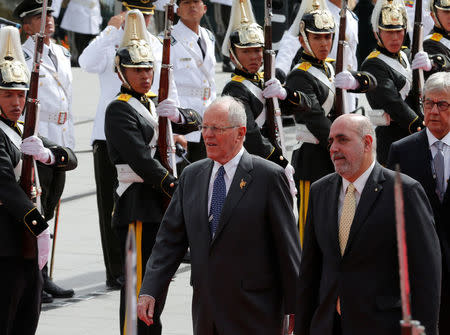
(437, 51)
(256, 141)
(312, 161)
(17, 211)
(128, 135)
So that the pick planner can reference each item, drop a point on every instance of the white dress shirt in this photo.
(230, 169)
(446, 151)
(359, 184)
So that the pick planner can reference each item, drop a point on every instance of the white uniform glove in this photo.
(421, 61)
(345, 81)
(289, 172)
(43, 241)
(274, 90)
(33, 146)
(168, 108)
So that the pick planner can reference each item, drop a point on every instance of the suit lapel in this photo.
(203, 176)
(332, 197)
(241, 182)
(371, 191)
(423, 151)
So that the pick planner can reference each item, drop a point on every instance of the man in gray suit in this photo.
(234, 211)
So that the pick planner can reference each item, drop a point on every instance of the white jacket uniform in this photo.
(193, 75)
(98, 57)
(82, 16)
(289, 45)
(55, 93)
(223, 2)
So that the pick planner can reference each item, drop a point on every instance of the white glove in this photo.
(274, 90)
(345, 81)
(33, 146)
(289, 172)
(421, 61)
(43, 241)
(168, 108)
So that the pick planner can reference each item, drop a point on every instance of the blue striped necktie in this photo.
(217, 200)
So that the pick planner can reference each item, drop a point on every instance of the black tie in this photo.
(53, 58)
(199, 42)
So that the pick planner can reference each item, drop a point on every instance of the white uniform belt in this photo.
(126, 176)
(56, 117)
(202, 93)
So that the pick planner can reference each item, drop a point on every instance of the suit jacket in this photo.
(244, 279)
(366, 277)
(414, 156)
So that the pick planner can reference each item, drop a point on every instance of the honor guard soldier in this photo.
(390, 65)
(98, 57)
(437, 43)
(314, 76)
(55, 119)
(193, 60)
(245, 42)
(24, 238)
(131, 129)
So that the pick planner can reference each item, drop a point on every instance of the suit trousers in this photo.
(105, 175)
(20, 297)
(145, 238)
(444, 312)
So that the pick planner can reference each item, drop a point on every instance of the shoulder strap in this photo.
(12, 135)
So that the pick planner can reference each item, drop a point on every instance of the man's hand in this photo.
(117, 20)
(274, 89)
(145, 309)
(33, 146)
(43, 241)
(168, 108)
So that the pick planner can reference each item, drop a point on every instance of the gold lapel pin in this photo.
(242, 184)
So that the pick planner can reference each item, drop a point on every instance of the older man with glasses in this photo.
(425, 156)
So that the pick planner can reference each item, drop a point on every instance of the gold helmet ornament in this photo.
(389, 15)
(439, 4)
(243, 31)
(135, 50)
(14, 74)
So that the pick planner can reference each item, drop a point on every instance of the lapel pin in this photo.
(376, 189)
(242, 184)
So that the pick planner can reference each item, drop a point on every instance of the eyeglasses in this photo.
(441, 105)
(215, 130)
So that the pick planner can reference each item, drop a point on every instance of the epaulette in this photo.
(151, 95)
(436, 37)
(304, 66)
(211, 35)
(27, 56)
(373, 54)
(124, 97)
(404, 47)
(329, 60)
(66, 52)
(239, 79)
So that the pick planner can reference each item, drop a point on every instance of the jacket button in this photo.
(34, 222)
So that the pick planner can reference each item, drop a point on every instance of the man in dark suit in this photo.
(244, 257)
(349, 274)
(417, 156)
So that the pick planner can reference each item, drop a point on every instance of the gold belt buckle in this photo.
(62, 117)
(206, 93)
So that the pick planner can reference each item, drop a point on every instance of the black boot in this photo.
(53, 289)
(46, 298)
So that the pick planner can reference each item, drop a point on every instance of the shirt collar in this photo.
(187, 33)
(230, 166)
(361, 181)
(432, 139)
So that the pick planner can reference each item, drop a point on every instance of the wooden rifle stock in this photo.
(32, 107)
(339, 95)
(164, 126)
(417, 45)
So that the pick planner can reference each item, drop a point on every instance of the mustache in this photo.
(337, 155)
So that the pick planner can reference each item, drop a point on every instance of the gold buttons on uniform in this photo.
(281, 158)
(34, 222)
(62, 159)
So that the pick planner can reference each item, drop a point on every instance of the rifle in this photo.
(6, 22)
(342, 44)
(55, 232)
(166, 143)
(273, 112)
(32, 106)
(417, 45)
(130, 284)
(408, 326)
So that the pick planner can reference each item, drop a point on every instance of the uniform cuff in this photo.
(35, 222)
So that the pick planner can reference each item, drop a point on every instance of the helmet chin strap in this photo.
(439, 23)
(305, 39)
(237, 63)
(122, 77)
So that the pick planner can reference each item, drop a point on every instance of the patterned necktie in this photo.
(438, 161)
(217, 200)
(347, 215)
(53, 59)
(199, 42)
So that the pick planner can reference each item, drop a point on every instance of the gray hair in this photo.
(365, 127)
(236, 110)
(438, 83)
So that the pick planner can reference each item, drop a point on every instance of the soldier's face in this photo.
(444, 18)
(250, 58)
(33, 25)
(191, 10)
(12, 103)
(140, 79)
(437, 119)
(392, 40)
(320, 44)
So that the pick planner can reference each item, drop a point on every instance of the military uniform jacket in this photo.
(248, 89)
(16, 209)
(55, 93)
(437, 45)
(193, 74)
(128, 135)
(82, 16)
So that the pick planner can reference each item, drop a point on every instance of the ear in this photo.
(27, 29)
(241, 132)
(302, 41)
(368, 143)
